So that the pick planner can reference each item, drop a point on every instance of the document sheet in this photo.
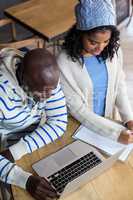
(107, 145)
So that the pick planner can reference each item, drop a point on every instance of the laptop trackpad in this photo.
(64, 157)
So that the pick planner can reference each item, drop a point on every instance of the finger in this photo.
(38, 197)
(47, 184)
(43, 189)
(127, 132)
(124, 137)
(131, 128)
(127, 138)
(42, 192)
(130, 139)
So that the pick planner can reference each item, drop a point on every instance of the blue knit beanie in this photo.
(94, 13)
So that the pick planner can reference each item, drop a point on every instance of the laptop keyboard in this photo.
(61, 178)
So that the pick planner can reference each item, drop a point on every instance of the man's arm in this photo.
(46, 132)
(37, 186)
(54, 128)
(11, 173)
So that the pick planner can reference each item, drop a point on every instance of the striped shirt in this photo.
(17, 112)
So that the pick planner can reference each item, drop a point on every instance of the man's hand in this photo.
(126, 137)
(129, 125)
(40, 188)
(7, 154)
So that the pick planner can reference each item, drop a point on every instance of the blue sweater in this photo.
(98, 74)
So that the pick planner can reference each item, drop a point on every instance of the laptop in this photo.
(73, 166)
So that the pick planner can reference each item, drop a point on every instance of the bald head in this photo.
(40, 70)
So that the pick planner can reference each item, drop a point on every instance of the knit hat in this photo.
(93, 13)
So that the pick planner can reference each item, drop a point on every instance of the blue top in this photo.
(99, 76)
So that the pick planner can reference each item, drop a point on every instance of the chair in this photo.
(7, 21)
(36, 42)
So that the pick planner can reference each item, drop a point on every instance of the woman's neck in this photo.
(86, 54)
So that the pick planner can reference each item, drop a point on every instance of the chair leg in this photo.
(14, 34)
(40, 43)
(57, 46)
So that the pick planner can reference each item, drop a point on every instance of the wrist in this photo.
(129, 125)
(18, 150)
(19, 177)
(32, 183)
(7, 154)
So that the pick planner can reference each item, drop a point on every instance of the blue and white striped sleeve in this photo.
(12, 174)
(52, 129)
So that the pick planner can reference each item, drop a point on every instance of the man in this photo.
(32, 114)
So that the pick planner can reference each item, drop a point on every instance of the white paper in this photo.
(105, 144)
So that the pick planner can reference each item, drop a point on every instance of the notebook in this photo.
(105, 144)
(72, 166)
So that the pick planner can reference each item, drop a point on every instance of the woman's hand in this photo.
(40, 188)
(126, 137)
(129, 125)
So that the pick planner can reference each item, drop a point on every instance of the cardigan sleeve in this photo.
(122, 100)
(79, 108)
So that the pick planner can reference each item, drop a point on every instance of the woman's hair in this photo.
(74, 47)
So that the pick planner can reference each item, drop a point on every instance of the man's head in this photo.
(40, 73)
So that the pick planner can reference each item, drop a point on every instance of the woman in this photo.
(91, 72)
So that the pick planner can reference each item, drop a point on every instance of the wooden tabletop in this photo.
(114, 184)
(46, 18)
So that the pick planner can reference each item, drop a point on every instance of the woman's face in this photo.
(95, 43)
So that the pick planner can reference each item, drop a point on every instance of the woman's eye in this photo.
(106, 42)
(93, 43)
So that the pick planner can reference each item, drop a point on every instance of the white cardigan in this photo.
(78, 89)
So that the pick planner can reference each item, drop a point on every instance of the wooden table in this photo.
(114, 184)
(48, 19)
